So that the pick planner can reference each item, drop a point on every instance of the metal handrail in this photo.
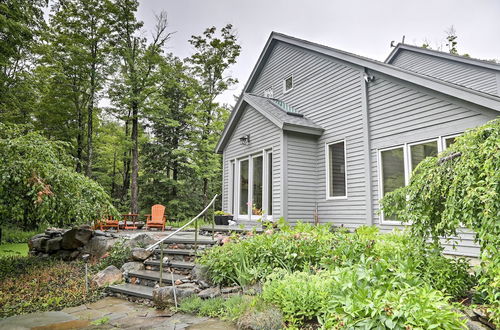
(149, 248)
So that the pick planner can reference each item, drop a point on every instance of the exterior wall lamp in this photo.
(245, 139)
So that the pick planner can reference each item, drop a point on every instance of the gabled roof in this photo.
(457, 58)
(479, 98)
(278, 113)
(275, 111)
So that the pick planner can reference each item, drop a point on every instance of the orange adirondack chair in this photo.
(108, 222)
(157, 217)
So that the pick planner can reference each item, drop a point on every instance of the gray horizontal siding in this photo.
(301, 177)
(400, 114)
(327, 92)
(467, 75)
(263, 135)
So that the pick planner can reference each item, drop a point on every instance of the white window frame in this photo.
(285, 91)
(380, 178)
(444, 138)
(327, 170)
(264, 154)
(231, 186)
(441, 145)
(410, 165)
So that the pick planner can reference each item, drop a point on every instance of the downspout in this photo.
(367, 145)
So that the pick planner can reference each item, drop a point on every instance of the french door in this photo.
(254, 186)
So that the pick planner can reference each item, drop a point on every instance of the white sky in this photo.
(364, 27)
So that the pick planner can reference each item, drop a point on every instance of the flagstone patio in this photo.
(112, 313)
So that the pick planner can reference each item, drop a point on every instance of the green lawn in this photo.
(13, 249)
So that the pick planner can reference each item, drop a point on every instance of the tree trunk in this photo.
(113, 184)
(135, 158)
(126, 167)
(79, 140)
(88, 171)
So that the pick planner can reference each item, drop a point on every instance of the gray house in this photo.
(320, 134)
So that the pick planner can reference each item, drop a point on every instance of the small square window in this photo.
(288, 84)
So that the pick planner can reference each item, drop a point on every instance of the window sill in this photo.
(336, 198)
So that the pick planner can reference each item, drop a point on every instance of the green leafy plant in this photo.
(116, 256)
(221, 213)
(459, 188)
(39, 184)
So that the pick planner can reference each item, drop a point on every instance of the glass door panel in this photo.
(243, 207)
(257, 185)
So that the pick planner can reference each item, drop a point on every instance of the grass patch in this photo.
(30, 284)
(14, 250)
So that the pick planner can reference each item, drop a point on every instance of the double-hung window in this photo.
(396, 164)
(336, 173)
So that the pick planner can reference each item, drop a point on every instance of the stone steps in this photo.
(171, 263)
(184, 252)
(154, 275)
(232, 229)
(134, 290)
(189, 241)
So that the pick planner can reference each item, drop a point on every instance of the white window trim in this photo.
(263, 153)
(444, 138)
(384, 221)
(410, 165)
(285, 91)
(440, 140)
(327, 170)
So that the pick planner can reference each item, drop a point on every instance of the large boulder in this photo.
(140, 254)
(53, 244)
(164, 296)
(200, 273)
(108, 276)
(132, 267)
(99, 245)
(141, 240)
(38, 242)
(209, 293)
(75, 238)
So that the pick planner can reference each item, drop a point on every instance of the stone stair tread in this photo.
(201, 241)
(186, 252)
(235, 229)
(154, 275)
(135, 290)
(172, 263)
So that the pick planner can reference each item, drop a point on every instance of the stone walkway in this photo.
(112, 313)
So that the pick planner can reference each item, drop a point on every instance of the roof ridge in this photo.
(439, 53)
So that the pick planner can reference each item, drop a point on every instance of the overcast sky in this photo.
(364, 27)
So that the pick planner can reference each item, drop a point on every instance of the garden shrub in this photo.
(116, 256)
(243, 261)
(11, 234)
(459, 187)
(361, 296)
(306, 247)
(40, 186)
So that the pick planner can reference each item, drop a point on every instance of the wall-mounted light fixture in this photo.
(368, 78)
(245, 139)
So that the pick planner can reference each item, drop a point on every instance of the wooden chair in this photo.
(157, 217)
(108, 222)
